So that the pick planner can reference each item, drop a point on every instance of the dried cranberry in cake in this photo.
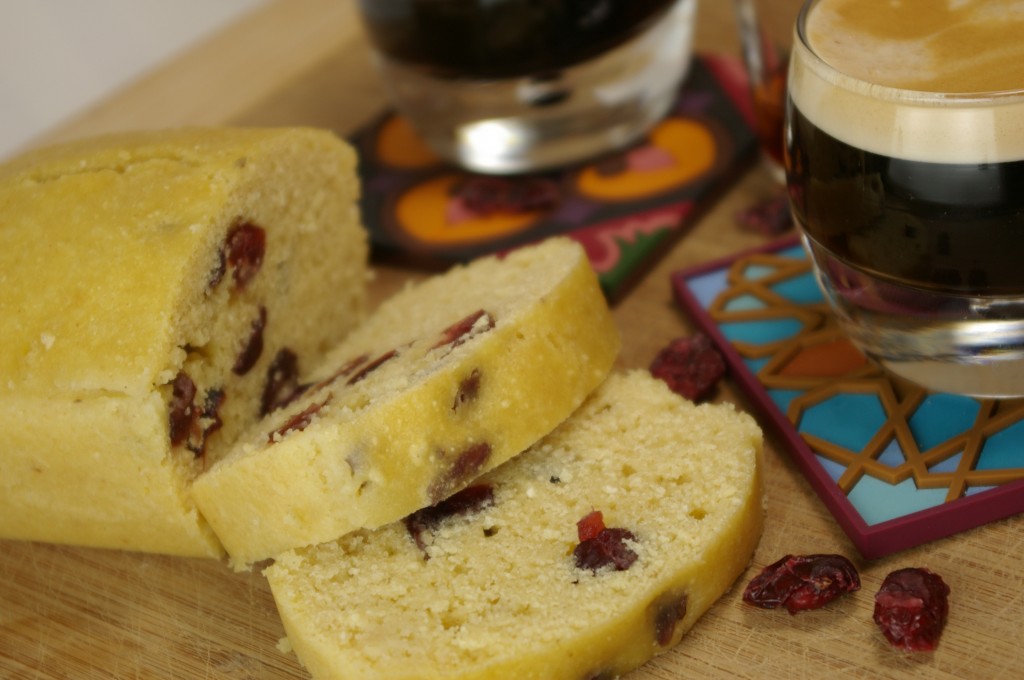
(253, 348)
(469, 501)
(183, 414)
(343, 372)
(245, 247)
(282, 383)
(669, 611)
(800, 582)
(469, 388)
(372, 366)
(911, 608)
(590, 526)
(300, 421)
(211, 420)
(466, 328)
(601, 546)
(690, 366)
(466, 466)
(190, 425)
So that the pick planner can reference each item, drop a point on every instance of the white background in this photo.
(58, 57)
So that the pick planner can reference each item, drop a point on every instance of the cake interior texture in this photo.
(446, 379)
(149, 281)
(495, 592)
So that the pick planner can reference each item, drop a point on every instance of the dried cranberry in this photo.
(211, 414)
(462, 330)
(590, 526)
(601, 546)
(469, 501)
(183, 414)
(191, 426)
(282, 383)
(467, 464)
(469, 388)
(799, 582)
(372, 366)
(690, 366)
(670, 611)
(245, 247)
(250, 354)
(299, 421)
(911, 608)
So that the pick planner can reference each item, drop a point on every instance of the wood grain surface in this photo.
(81, 614)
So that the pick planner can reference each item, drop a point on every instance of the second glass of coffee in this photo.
(510, 86)
(905, 168)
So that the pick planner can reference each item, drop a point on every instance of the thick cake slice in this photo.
(152, 285)
(519, 577)
(444, 381)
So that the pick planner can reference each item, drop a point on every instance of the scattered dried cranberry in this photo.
(799, 582)
(245, 247)
(490, 195)
(250, 354)
(470, 500)
(601, 546)
(690, 366)
(462, 330)
(911, 608)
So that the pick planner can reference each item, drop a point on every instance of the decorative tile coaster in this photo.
(625, 208)
(897, 465)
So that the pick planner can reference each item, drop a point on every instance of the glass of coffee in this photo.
(905, 170)
(510, 86)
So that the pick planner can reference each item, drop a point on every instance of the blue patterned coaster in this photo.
(897, 465)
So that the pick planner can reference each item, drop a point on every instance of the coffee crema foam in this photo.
(955, 46)
(904, 78)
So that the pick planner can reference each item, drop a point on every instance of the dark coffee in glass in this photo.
(905, 167)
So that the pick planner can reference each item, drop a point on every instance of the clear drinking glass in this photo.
(905, 169)
(509, 86)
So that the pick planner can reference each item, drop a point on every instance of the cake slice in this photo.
(444, 381)
(155, 288)
(582, 558)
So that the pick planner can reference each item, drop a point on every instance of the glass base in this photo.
(947, 342)
(524, 124)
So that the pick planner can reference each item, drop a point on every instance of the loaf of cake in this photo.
(159, 291)
(443, 381)
(582, 558)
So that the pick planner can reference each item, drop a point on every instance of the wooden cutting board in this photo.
(78, 614)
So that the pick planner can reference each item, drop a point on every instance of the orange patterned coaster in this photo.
(897, 465)
(625, 208)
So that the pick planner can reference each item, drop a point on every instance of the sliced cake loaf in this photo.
(582, 558)
(444, 381)
(155, 289)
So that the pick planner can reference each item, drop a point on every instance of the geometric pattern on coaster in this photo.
(897, 465)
